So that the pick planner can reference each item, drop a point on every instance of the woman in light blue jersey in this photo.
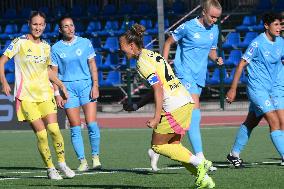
(196, 41)
(263, 60)
(73, 61)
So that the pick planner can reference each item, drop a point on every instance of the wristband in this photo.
(56, 93)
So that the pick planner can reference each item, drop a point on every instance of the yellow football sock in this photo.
(42, 144)
(57, 141)
(176, 152)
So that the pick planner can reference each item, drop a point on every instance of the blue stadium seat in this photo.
(10, 77)
(232, 41)
(177, 7)
(126, 9)
(248, 23)
(96, 41)
(9, 31)
(247, 39)
(59, 11)
(25, 29)
(109, 10)
(110, 27)
(99, 61)
(93, 28)
(111, 44)
(101, 78)
(76, 11)
(154, 30)
(234, 58)
(228, 80)
(279, 6)
(79, 28)
(47, 28)
(7, 43)
(132, 62)
(113, 79)
(259, 27)
(10, 66)
(147, 40)
(144, 9)
(25, 12)
(147, 23)
(45, 10)
(93, 10)
(215, 79)
(123, 26)
(10, 14)
(111, 61)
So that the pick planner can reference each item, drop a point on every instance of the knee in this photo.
(42, 135)
(53, 129)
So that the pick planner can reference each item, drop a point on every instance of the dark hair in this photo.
(36, 13)
(59, 22)
(135, 35)
(63, 18)
(270, 17)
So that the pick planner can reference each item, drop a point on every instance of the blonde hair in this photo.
(135, 35)
(206, 4)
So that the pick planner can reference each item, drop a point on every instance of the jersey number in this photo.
(167, 75)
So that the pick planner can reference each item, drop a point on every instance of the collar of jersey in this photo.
(198, 23)
(69, 44)
(266, 38)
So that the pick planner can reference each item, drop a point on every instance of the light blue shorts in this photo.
(261, 101)
(278, 97)
(191, 86)
(79, 93)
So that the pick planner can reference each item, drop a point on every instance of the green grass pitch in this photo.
(126, 164)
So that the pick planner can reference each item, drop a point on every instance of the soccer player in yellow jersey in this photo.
(173, 104)
(33, 92)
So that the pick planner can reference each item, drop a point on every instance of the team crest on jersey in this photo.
(267, 103)
(62, 55)
(79, 52)
(211, 36)
(196, 36)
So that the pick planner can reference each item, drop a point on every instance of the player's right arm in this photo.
(5, 86)
(231, 94)
(167, 47)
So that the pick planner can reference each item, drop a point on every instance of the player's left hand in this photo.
(220, 61)
(95, 92)
(64, 92)
(152, 123)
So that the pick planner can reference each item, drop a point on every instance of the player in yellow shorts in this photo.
(173, 105)
(34, 93)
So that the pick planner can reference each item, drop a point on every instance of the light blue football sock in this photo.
(241, 140)
(94, 136)
(193, 133)
(278, 141)
(77, 141)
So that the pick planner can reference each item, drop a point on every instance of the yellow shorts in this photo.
(176, 121)
(31, 111)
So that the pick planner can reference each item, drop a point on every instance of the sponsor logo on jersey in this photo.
(196, 36)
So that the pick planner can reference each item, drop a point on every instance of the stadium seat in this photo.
(45, 10)
(147, 40)
(113, 79)
(248, 23)
(94, 26)
(215, 79)
(110, 27)
(132, 62)
(10, 14)
(126, 9)
(96, 41)
(7, 43)
(155, 30)
(24, 29)
(59, 11)
(76, 11)
(99, 61)
(93, 10)
(111, 62)
(234, 58)
(259, 27)
(147, 23)
(247, 39)
(9, 31)
(10, 77)
(25, 12)
(10, 66)
(123, 26)
(111, 44)
(232, 41)
(79, 28)
(109, 10)
(100, 78)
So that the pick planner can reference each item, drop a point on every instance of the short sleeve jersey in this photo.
(72, 58)
(31, 69)
(194, 44)
(264, 58)
(153, 68)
